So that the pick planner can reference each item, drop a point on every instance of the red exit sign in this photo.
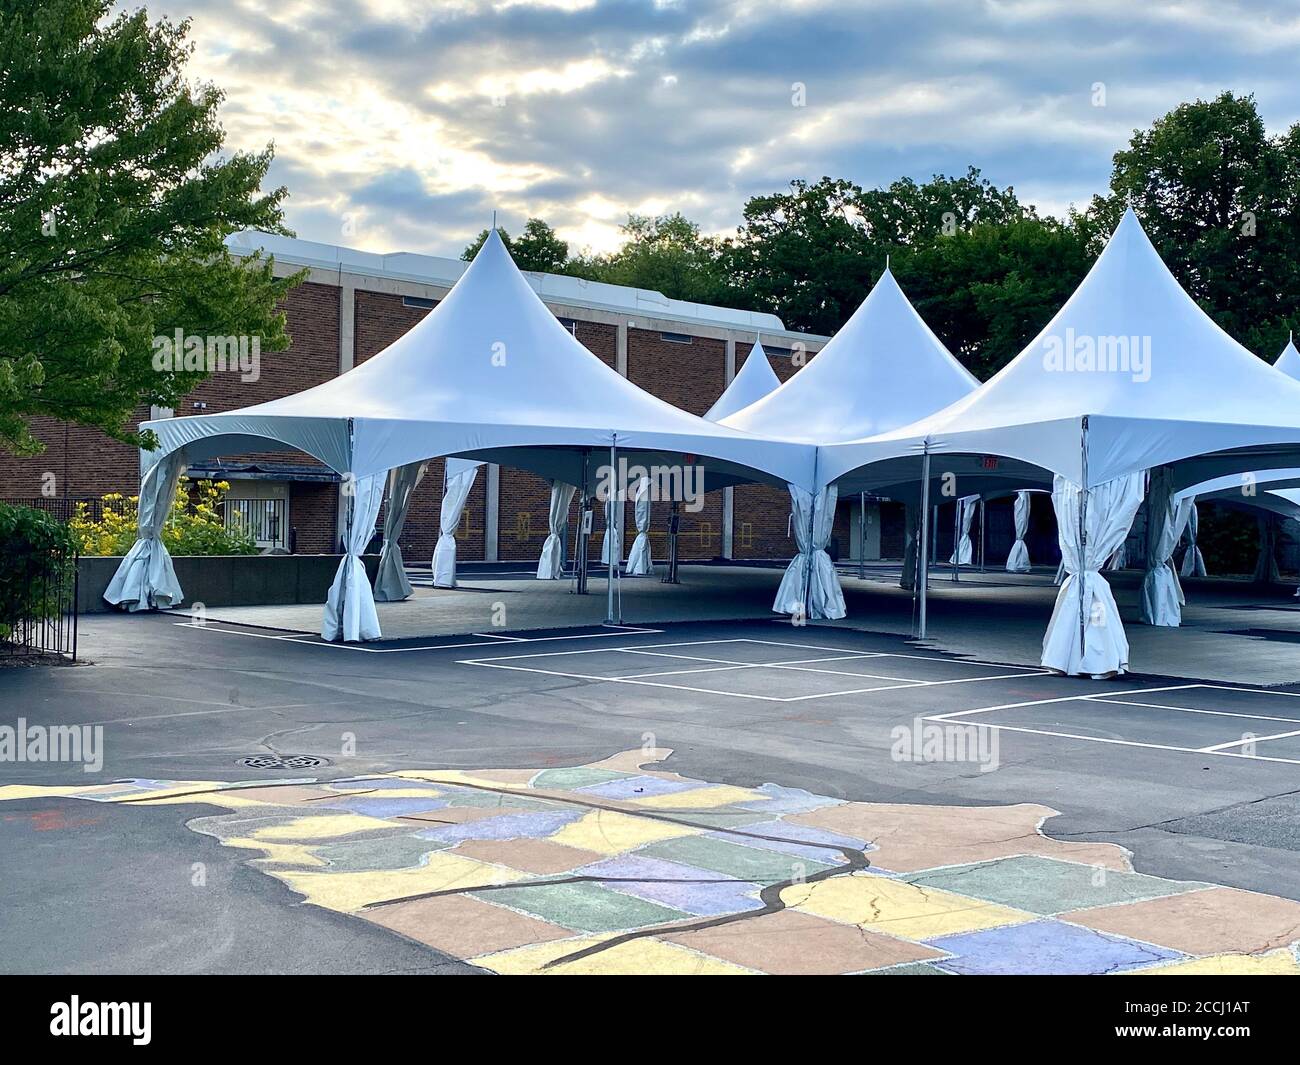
(989, 462)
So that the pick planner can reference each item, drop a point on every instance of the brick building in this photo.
(352, 305)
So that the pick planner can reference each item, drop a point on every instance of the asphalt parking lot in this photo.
(1198, 780)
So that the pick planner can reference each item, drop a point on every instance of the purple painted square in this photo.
(378, 806)
(532, 825)
(1044, 948)
(700, 892)
(637, 787)
(779, 800)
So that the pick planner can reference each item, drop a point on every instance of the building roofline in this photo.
(552, 288)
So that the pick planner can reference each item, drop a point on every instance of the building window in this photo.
(677, 338)
(571, 324)
(419, 301)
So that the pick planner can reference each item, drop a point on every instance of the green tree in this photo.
(666, 253)
(1220, 199)
(538, 248)
(114, 207)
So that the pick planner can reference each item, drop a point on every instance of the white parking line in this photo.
(487, 640)
(1220, 750)
(725, 665)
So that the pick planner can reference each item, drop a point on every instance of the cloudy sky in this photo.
(402, 124)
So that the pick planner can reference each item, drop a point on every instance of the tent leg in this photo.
(674, 522)
(922, 554)
(981, 535)
(615, 544)
(862, 535)
(956, 542)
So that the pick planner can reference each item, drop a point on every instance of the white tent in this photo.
(489, 374)
(754, 380)
(1289, 361)
(884, 368)
(1129, 375)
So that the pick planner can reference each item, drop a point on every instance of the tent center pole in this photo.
(922, 554)
(981, 534)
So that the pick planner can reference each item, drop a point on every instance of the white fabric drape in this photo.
(639, 562)
(1119, 559)
(1018, 559)
(907, 579)
(1060, 572)
(391, 584)
(1193, 560)
(964, 551)
(1085, 596)
(1266, 571)
(811, 568)
(146, 579)
(1162, 595)
(613, 531)
(350, 607)
(459, 480)
(550, 566)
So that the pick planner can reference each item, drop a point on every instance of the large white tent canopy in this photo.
(1131, 375)
(489, 374)
(754, 380)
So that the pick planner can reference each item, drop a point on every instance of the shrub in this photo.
(193, 527)
(37, 557)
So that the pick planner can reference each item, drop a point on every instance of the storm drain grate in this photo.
(283, 761)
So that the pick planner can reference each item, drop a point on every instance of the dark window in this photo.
(571, 324)
(419, 301)
(677, 338)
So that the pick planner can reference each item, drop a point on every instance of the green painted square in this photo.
(1046, 886)
(583, 907)
(912, 968)
(727, 817)
(733, 859)
(576, 777)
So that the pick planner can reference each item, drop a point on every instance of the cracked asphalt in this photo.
(111, 888)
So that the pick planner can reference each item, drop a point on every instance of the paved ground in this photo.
(1233, 631)
(821, 781)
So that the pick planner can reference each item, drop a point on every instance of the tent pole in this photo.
(584, 531)
(862, 535)
(674, 521)
(615, 548)
(956, 540)
(981, 534)
(812, 527)
(923, 558)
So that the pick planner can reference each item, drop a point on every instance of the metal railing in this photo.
(62, 508)
(38, 604)
(262, 519)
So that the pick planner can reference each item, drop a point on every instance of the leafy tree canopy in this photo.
(114, 206)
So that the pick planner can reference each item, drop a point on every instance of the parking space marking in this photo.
(1222, 750)
(726, 665)
(486, 639)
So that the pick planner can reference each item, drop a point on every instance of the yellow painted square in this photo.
(645, 955)
(327, 826)
(1273, 963)
(704, 798)
(610, 832)
(346, 892)
(897, 908)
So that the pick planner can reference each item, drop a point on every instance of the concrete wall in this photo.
(227, 580)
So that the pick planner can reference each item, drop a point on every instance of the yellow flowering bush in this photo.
(193, 527)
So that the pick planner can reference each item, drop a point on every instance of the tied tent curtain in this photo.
(145, 578)
(613, 531)
(1162, 596)
(1085, 635)
(391, 584)
(639, 562)
(350, 607)
(459, 479)
(1193, 560)
(1018, 559)
(810, 582)
(550, 565)
(963, 552)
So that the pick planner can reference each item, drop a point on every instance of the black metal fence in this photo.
(38, 604)
(63, 509)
